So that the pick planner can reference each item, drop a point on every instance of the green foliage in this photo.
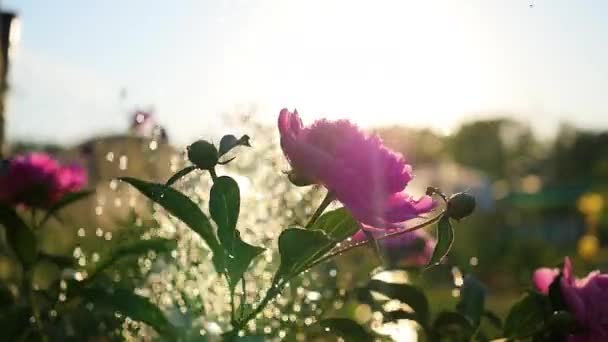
(135, 248)
(298, 248)
(132, 305)
(338, 224)
(21, 239)
(180, 174)
(224, 207)
(527, 316)
(453, 325)
(180, 206)
(406, 294)
(346, 328)
(229, 141)
(445, 240)
(472, 300)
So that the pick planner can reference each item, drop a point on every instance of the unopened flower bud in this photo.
(298, 180)
(460, 205)
(203, 154)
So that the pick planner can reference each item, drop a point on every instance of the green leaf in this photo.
(445, 239)
(472, 300)
(138, 247)
(238, 262)
(224, 206)
(180, 206)
(406, 294)
(21, 239)
(338, 224)
(180, 174)
(228, 142)
(452, 324)
(136, 307)
(493, 319)
(66, 200)
(555, 294)
(346, 328)
(526, 316)
(298, 248)
(15, 322)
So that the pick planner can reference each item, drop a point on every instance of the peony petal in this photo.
(543, 277)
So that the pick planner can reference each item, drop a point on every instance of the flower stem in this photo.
(326, 201)
(408, 230)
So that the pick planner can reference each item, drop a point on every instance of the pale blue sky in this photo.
(424, 62)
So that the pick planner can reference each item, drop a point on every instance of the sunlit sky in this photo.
(425, 63)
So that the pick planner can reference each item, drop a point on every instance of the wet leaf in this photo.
(299, 247)
(347, 329)
(136, 307)
(180, 206)
(526, 316)
(406, 294)
(338, 224)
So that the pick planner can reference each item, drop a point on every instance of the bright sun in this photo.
(410, 62)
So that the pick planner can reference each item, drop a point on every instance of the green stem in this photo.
(36, 309)
(375, 245)
(326, 201)
(409, 230)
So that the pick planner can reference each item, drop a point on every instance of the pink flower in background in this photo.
(409, 249)
(38, 180)
(363, 174)
(586, 298)
(143, 123)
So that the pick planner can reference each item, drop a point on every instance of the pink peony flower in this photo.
(586, 298)
(409, 249)
(143, 123)
(363, 174)
(38, 180)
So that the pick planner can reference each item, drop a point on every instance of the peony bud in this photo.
(298, 180)
(203, 154)
(460, 205)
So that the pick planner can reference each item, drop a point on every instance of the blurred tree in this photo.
(502, 148)
(580, 157)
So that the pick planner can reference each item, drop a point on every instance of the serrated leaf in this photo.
(526, 316)
(338, 224)
(299, 247)
(139, 247)
(406, 294)
(65, 201)
(21, 239)
(180, 174)
(472, 299)
(346, 328)
(456, 326)
(180, 206)
(229, 141)
(136, 307)
(445, 239)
